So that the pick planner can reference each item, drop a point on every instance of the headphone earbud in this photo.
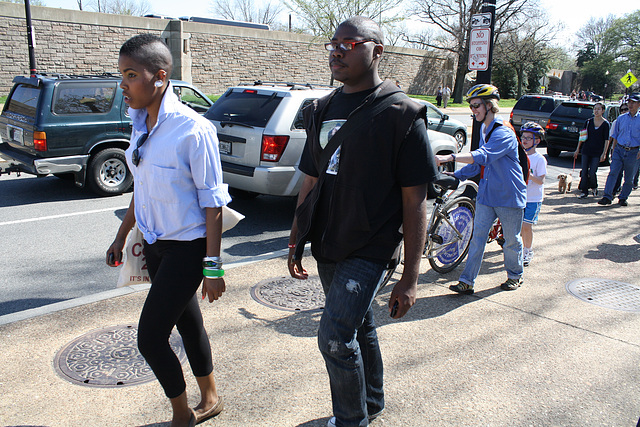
(158, 83)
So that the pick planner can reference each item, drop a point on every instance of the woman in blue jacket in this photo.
(501, 191)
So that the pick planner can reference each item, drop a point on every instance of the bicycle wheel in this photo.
(446, 256)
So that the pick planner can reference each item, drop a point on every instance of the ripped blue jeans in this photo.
(348, 340)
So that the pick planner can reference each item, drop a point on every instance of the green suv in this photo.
(74, 126)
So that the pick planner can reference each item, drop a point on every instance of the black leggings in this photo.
(175, 268)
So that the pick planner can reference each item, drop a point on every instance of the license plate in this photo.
(15, 134)
(572, 129)
(225, 147)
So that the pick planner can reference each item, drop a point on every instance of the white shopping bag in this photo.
(134, 266)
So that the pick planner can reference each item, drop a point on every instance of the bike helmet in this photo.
(483, 91)
(534, 128)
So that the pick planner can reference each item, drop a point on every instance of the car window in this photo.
(298, 123)
(24, 100)
(577, 111)
(83, 98)
(432, 113)
(248, 107)
(535, 103)
(612, 114)
(187, 94)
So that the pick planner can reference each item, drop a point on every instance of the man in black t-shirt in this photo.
(367, 163)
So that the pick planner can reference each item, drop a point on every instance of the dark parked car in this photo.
(441, 122)
(534, 108)
(74, 126)
(566, 121)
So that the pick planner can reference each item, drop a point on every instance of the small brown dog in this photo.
(564, 183)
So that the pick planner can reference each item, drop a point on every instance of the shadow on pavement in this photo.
(621, 254)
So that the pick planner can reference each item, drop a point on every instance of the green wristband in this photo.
(212, 273)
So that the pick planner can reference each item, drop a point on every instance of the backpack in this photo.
(523, 159)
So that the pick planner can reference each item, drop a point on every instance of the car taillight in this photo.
(511, 116)
(552, 126)
(273, 147)
(40, 141)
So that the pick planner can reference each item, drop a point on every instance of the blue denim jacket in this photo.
(502, 184)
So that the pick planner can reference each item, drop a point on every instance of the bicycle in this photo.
(451, 224)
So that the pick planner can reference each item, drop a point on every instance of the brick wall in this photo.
(213, 57)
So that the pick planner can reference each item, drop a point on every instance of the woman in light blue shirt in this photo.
(176, 204)
(502, 191)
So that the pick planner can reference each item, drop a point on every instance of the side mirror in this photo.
(444, 117)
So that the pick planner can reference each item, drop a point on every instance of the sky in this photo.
(572, 13)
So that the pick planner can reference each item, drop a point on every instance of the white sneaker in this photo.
(528, 257)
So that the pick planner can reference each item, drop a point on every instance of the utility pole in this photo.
(30, 39)
(484, 75)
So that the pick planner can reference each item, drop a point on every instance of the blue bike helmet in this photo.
(534, 128)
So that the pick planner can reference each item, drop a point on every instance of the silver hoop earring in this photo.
(158, 83)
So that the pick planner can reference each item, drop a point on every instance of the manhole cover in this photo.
(109, 357)
(287, 293)
(606, 293)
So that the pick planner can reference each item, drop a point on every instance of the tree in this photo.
(120, 7)
(322, 17)
(451, 27)
(625, 32)
(246, 10)
(525, 49)
(596, 34)
(31, 2)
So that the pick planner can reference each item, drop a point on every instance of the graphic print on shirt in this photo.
(328, 129)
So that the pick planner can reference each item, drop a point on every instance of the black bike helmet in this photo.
(483, 91)
(534, 128)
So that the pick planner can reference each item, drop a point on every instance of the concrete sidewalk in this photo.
(537, 356)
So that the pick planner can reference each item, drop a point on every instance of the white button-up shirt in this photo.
(179, 174)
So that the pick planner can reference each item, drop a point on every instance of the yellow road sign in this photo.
(628, 79)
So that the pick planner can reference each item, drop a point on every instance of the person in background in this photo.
(439, 96)
(593, 150)
(625, 152)
(446, 94)
(177, 201)
(531, 134)
(367, 163)
(502, 191)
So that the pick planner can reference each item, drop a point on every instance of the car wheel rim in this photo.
(460, 141)
(113, 173)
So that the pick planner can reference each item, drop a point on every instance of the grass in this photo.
(504, 103)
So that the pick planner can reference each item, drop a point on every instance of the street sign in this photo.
(628, 79)
(479, 49)
(481, 20)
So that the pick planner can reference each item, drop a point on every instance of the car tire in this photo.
(461, 139)
(449, 167)
(553, 152)
(108, 174)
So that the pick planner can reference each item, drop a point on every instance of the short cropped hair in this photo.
(366, 27)
(150, 51)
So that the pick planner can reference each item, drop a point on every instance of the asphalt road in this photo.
(54, 236)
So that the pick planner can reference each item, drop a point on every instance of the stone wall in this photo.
(213, 57)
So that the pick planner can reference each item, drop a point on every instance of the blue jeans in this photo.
(511, 220)
(348, 340)
(588, 177)
(621, 160)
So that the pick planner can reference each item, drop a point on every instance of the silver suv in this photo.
(261, 134)
(534, 108)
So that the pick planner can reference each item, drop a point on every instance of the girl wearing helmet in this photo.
(593, 150)
(501, 191)
(531, 134)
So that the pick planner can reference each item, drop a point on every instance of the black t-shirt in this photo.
(596, 138)
(411, 168)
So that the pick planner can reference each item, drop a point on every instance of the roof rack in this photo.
(77, 76)
(293, 86)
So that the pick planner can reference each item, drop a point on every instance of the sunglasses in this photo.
(135, 156)
(475, 106)
(344, 46)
